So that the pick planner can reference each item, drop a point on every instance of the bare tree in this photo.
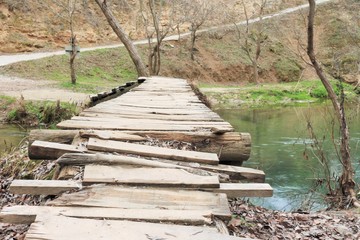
(346, 181)
(134, 55)
(66, 11)
(197, 12)
(253, 37)
(158, 22)
(71, 8)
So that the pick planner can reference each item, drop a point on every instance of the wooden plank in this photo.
(163, 105)
(173, 111)
(43, 187)
(106, 109)
(105, 125)
(110, 196)
(160, 177)
(151, 151)
(237, 173)
(52, 135)
(119, 120)
(234, 190)
(51, 150)
(48, 227)
(122, 136)
(27, 214)
(107, 159)
(131, 115)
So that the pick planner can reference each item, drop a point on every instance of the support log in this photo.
(233, 147)
(58, 136)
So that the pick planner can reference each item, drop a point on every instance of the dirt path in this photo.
(44, 90)
(38, 90)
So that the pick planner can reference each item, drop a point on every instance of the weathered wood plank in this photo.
(237, 173)
(233, 190)
(27, 214)
(151, 121)
(43, 187)
(111, 135)
(51, 150)
(108, 159)
(162, 105)
(151, 151)
(145, 198)
(106, 125)
(173, 111)
(161, 177)
(234, 146)
(47, 227)
(131, 116)
(166, 117)
(52, 135)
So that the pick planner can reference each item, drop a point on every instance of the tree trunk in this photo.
(256, 72)
(140, 67)
(193, 39)
(72, 60)
(346, 181)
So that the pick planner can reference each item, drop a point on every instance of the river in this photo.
(278, 141)
(10, 137)
(279, 138)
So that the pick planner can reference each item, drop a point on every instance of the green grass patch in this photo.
(41, 113)
(273, 94)
(96, 71)
(5, 102)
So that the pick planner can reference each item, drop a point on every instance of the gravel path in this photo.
(38, 90)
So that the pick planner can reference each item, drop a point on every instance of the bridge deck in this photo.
(142, 189)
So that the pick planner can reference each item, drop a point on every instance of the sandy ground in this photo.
(38, 90)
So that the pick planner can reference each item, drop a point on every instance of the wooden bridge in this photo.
(149, 167)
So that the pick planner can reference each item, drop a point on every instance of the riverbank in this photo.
(272, 95)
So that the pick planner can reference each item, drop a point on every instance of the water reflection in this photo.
(279, 138)
(10, 137)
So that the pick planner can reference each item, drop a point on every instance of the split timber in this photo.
(129, 189)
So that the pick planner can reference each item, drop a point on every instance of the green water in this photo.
(279, 137)
(10, 137)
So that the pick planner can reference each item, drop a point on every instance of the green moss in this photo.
(287, 70)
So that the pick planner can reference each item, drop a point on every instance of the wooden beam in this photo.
(111, 196)
(235, 147)
(136, 126)
(51, 151)
(237, 173)
(27, 214)
(50, 135)
(160, 177)
(43, 187)
(234, 190)
(151, 151)
(108, 159)
(63, 227)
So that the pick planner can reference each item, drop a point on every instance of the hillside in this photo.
(21, 32)
(219, 58)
